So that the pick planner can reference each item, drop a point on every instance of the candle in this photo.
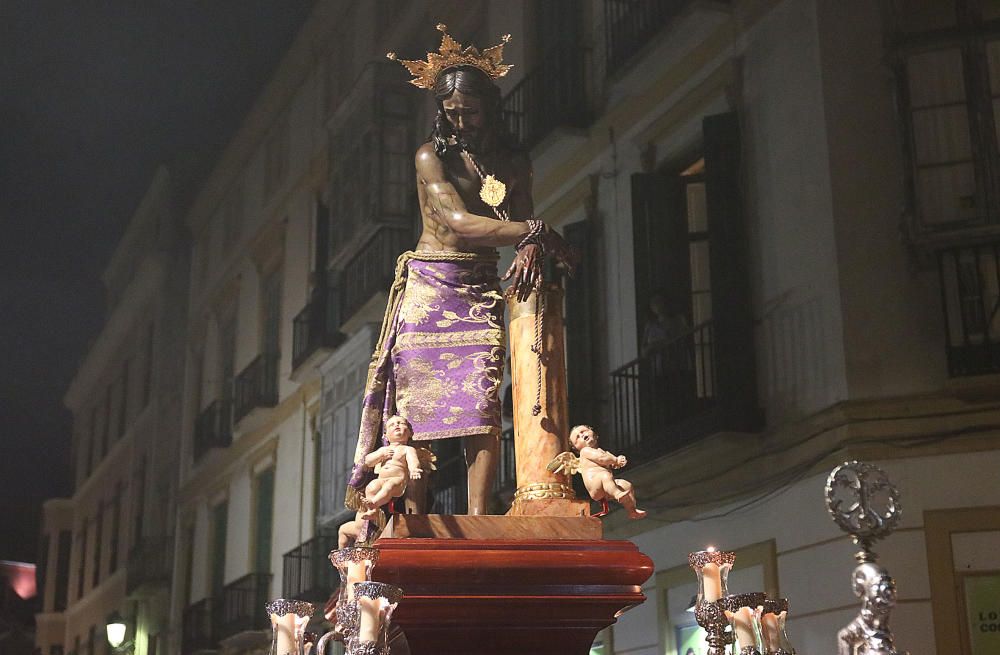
(371, 619)
(772, 632)
(712, 581)
(284, 629)
(743, 625)
(356, 572)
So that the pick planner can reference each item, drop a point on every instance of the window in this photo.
(147, 373)
(271, 313)
(276, 158)
(98, 543)
(123, 400)
(139, 501)
(220, 514)
(91, 640)
(693, 309)
(62, 570)
(81, 562)
(188, 564)
(227, 356)
(397, 162)
(41, 571)
(948, 68)
(338, 432)
(94, 440)
(202, 257)
(232, 215)
(106, 426)
(340, 63)
(116, 520)
(263, 520)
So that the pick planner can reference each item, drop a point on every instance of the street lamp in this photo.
(116, 628)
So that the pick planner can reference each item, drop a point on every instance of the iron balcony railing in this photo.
(506, 465)
(196, 627)
(150, 565)
(449, 490)
(213, 428)
(630, 24)
(372, 269)
(654, 396)
(448, 494)
(552, 95)
(307, 573)
(317, 325)
(256, 385)
(239, 607)
(970, 295)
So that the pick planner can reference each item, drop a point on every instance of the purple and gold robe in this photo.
(439, 359)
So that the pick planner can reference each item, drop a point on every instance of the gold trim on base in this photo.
(543, 491)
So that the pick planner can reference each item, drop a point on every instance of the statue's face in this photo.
(465, 113)
(398, 430)
(582, 436)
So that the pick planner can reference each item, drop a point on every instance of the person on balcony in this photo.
(439, 359)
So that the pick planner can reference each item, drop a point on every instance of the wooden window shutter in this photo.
(220, 515)
(264, 522)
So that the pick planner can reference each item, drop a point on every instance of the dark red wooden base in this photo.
(488, 596)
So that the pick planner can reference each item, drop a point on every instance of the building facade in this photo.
(109, 548)
(788, 212)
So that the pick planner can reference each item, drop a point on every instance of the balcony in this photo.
(213, 428)
(307, 572)
(372, 269)
(552, 95)
(316, 328)
(970, 293)
(240, 606)
(666, 398)
(196, 629)
(256, 385)
(506, 478)
(150, 566)
(630, 24)
(449, 495)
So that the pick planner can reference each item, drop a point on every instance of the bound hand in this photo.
(526, 269)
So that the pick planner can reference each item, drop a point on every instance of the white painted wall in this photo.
(794, 259)
(815, 559)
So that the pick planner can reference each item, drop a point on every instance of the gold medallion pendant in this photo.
(493, 191)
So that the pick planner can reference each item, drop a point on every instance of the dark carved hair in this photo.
(469, 81)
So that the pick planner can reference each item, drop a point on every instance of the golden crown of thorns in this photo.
(450, 55)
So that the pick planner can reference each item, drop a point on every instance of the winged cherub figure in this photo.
(595, 465)
(395, 465)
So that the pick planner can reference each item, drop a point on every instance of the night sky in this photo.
(93, 96)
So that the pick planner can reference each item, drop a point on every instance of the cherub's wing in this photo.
(565, 462)
(427, 458)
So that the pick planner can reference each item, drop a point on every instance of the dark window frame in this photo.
(969, 35)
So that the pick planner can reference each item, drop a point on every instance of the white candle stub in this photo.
(284, 627)
(769, 626)
(371, 619)
(712, 580)
(743, 625)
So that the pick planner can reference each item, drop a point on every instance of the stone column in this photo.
(539, 438)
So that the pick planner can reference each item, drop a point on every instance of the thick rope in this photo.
(537, 347)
